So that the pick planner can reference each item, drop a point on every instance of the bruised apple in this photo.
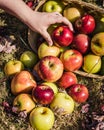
(22, 82)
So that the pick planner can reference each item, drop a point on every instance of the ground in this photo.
(87, 116)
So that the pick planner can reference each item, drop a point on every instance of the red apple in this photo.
(30, 3)
(71, 59)
(62, 36)
(22, 82)
(49, 68)
(85, 24)
(67, 79)
(81, 42)
(43, 94)
(79, 93)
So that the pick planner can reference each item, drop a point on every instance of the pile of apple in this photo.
(46, 80)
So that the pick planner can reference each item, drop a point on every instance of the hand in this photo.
(40, 21)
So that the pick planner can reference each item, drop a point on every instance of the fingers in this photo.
(58, 18)
(47, 37)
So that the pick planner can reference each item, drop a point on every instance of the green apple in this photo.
(97, 44)
(72, 13)
(24, 102)
(91, 63)
(46, 50)
(42, 118)
(29, 58)
(64, 101)
(53, 86)
(99, 25)
(53, 6)
(12, 67)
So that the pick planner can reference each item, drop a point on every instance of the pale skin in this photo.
(36, 21)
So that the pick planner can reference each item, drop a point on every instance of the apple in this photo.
(12, 67)
(71, 59)
(28, 58)
(63, 101)
(91, 63)
(85, 24)
(42, 118)
(30, 4)
(22, 82)
(52, 85)
(46, 50)
(24, 102)
(99, 25)
(67, 79)
(72, 13)
(53, 6)
(97, 44)
(49, 68)
(81, 42)
(79, 92)
(43, 94)
(62, 36)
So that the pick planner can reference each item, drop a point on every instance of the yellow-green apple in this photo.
(52, 85)
(42, 118)
(46, 50)
(67, 79)
(97, 44)
(22, 82)
(63, 101)
(85, 24)
(79, 92)
(43, 94)
(62, 36)
(24, 102)
(71, 59)
(53, 6)
(72, 13)
(81, 42)
(49, 68)
(12, 67)
(91, 63)
(28, 58)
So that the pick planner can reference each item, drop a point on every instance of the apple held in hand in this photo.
(53, 6)
(46, 50)
(43, 94)
(22, 82)
(81, 42)
(12, 67)
(71, 59)
(63, 101)
(24, 102)
(62, 36)
(28, 58)
(79, 93)
(91, 63)
(42, 118)
(52, 85)
(85, 24)
(97, 44)
(49, 68)
(67, 79)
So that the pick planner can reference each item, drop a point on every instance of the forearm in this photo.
(17, 8)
